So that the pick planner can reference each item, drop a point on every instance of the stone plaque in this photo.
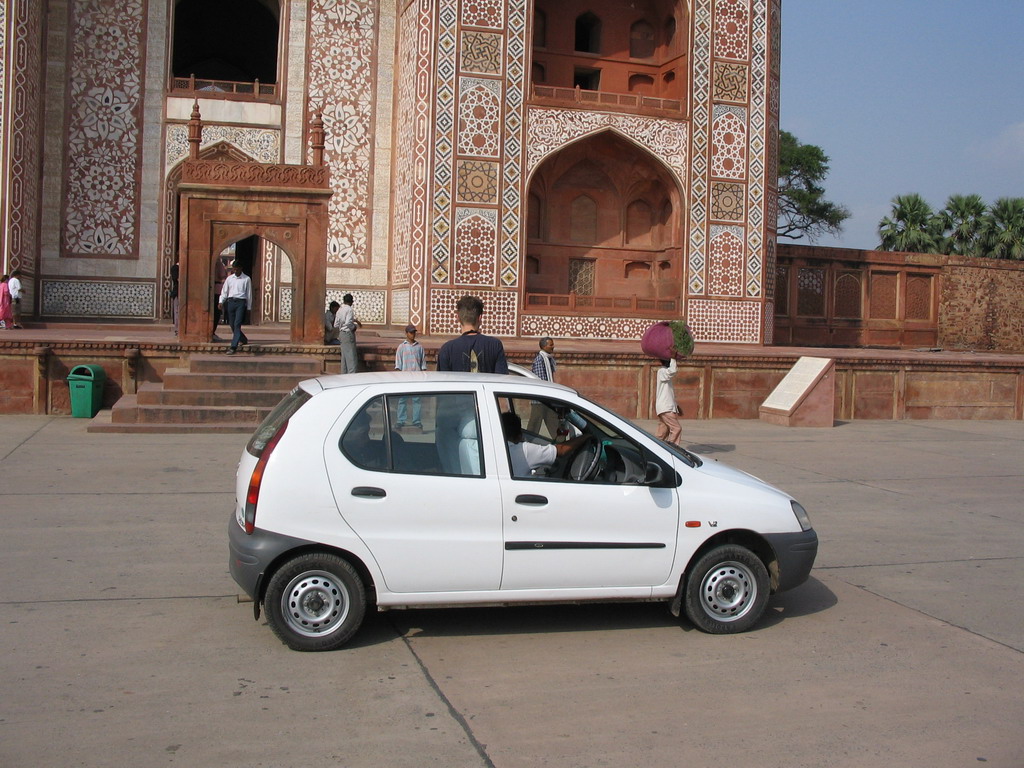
(805, 397)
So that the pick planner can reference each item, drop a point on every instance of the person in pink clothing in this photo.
(14, 286)
(6, 308)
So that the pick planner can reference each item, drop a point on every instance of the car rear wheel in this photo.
(727, 590)
(315, 602)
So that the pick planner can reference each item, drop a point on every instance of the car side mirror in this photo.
(654, 474)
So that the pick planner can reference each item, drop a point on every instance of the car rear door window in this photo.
(445, 442)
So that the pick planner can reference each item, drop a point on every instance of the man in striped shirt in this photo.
(544, 368)
(544, 362)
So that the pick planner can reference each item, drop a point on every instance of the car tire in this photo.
(315, 602)
(726, 591)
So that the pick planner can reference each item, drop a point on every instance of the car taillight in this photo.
(252, 496)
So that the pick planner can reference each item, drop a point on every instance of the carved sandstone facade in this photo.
(586, 168)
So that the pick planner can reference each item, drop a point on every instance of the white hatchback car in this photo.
(340, 505)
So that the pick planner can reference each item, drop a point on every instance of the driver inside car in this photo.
(528, 457)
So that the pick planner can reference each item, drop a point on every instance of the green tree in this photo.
(912, 226)
(803, 209)
(962, 221)
(1002, 232)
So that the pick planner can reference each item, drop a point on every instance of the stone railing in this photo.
(203, 89)
(604, 98)
(572, 303)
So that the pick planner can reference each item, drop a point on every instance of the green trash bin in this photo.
(85, 382)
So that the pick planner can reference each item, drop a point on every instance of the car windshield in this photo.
(691, 459)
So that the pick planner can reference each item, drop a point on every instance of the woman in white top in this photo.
(14, 286)
(665, 404)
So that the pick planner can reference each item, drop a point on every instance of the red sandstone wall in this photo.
(17, 380)
(884, 385)
(982, 305)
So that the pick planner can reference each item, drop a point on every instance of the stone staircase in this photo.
(215, 393)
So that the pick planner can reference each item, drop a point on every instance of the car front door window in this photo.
(607, 457)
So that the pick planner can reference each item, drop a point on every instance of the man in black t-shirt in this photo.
(472, 351)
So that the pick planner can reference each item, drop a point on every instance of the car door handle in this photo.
(369, 491)
(531, 499)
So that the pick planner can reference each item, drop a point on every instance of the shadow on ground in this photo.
(807, 599)
(810, 598)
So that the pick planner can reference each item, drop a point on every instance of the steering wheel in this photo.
(585, 460)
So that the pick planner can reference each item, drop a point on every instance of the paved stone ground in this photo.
(123, 642)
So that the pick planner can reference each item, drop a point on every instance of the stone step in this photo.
(157, 394)
(124, 411)
(202, 414)
(127, 410)
(182, 378)
(216, 392)
(103, 422)
(297, 365)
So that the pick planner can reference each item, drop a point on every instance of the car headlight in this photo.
(801, 515)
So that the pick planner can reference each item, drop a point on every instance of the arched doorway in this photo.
(219, 205)
(271, 270)
(604, 230)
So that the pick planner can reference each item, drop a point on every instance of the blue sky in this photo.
(921, 96)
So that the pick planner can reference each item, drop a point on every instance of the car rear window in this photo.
(281, 413)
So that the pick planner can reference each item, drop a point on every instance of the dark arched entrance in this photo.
(265, 263)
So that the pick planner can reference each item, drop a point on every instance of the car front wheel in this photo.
(727, 590)
(315, 602)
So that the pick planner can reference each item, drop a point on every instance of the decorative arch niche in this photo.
(606, 202)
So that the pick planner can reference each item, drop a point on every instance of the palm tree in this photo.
(912, 227)
(1002, 234)
(961, 224)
